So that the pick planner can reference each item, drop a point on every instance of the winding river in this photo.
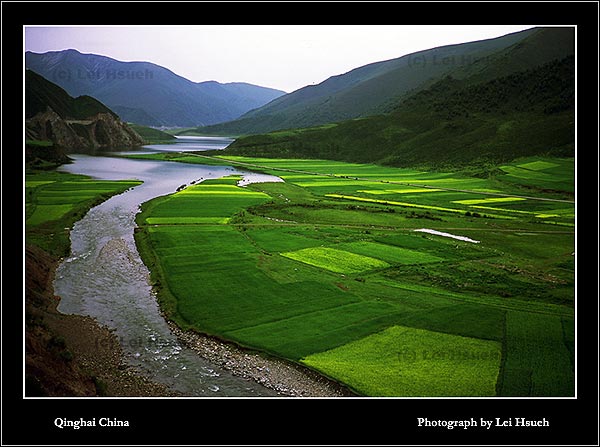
(105, 278)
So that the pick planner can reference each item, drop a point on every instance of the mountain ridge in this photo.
(147, 93)
(375, 87)
(71, 123)
(452, 123)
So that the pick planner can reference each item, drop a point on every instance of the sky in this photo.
(285, 57)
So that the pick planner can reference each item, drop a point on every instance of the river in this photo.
(105, 278)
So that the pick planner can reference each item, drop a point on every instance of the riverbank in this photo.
(287, 378)
(72, 355)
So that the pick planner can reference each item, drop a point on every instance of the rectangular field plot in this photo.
(390, 253)
(338, 261)
(221, 190)
(36, 183)
(281, 239)
(398, 191)
(45, 213)
(183, 220)
(319, 330)
(538, 165)
(489, 200)
(404, 361)
(538, 362)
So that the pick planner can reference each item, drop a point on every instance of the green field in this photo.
(326, 269)
(414, 362)
(338, 261)
(55, 200)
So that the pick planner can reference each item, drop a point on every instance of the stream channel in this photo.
(105, 278)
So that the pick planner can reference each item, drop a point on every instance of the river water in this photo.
(105, 278)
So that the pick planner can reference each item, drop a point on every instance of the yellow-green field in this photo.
(334, 260)
(414, 362)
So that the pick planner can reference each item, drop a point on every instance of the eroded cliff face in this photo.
(99, 131)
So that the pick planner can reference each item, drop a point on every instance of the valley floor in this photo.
(328, 270)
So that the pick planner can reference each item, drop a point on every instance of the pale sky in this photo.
(286, 57)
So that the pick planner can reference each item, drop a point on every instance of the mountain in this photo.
(41, 93)
(146, 93)
(376, 88)
(51, 114)
(452, 123)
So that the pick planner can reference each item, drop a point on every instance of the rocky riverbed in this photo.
(72, 355)
(287, 378)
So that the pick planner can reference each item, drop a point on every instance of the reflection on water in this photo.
(104, 277)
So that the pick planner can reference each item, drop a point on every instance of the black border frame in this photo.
(302, 421)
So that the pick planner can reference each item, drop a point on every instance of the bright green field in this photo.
(326, 269)
(414, 362)
(334, 260)
(55, 200)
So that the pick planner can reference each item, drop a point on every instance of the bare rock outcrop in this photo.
(99, 131)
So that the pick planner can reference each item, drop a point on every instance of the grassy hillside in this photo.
(377, 88)
(453, 122)
(151, 135)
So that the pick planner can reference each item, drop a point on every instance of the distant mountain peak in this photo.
(146, 93)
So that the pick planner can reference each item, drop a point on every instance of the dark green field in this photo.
(326, 269)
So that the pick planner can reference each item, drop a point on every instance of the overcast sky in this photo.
(285, 57)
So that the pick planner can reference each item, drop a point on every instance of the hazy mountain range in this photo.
(146, 93)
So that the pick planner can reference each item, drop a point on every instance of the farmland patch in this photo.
(489, 200)
(538, 165)
(350, 286)
(338, 261)
(405, 361)
(390, 253)
(537, 360)
(398, 191)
